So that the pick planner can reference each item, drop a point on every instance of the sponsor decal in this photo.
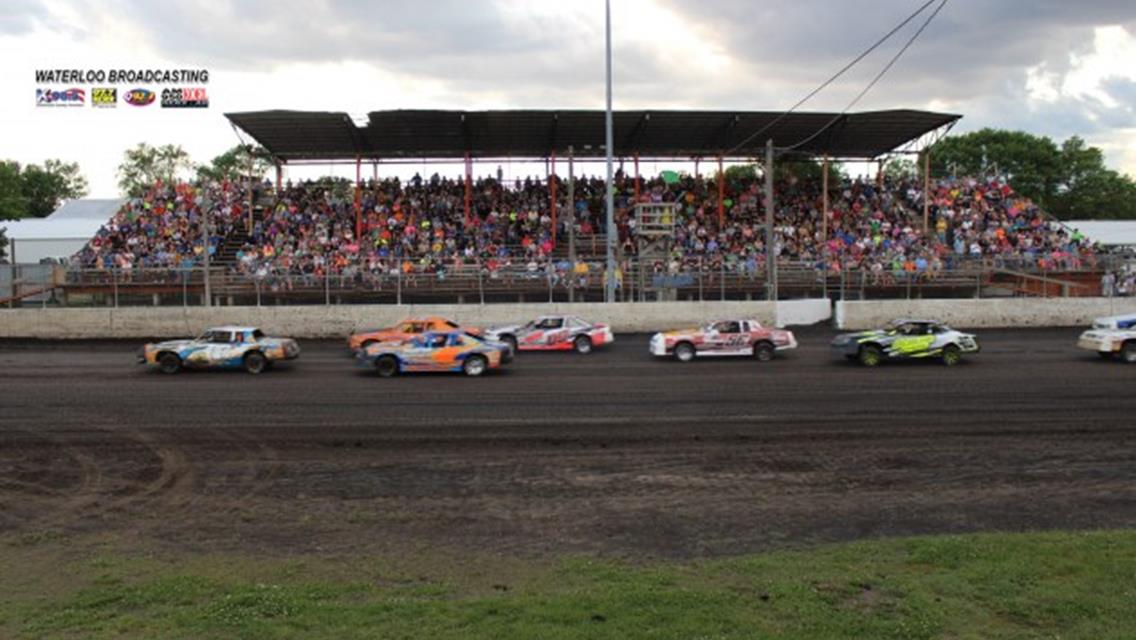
(60, 97)
(185, 97)
(139, 97)
(104, 97)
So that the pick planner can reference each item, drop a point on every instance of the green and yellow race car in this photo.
(904, 339)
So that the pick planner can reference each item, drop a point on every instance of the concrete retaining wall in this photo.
(1006, 312)
(338, 321)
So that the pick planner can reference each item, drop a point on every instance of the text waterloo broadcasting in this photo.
(145, 76)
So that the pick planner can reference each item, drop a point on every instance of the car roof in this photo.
(428, 319)
(915, 320)
(229, 327)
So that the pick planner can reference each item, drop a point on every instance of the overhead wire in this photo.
(832, 79)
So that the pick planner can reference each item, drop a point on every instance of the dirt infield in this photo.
(614, 453)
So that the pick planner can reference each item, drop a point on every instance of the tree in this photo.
(899, 167)
(3, 245)
(234, 164)
(144, 165)
(808, 171)
(13, 205)
(44, 188)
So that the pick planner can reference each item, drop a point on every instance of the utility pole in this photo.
(571, 225)
(770, 241)
(205, 205)
(612, 235)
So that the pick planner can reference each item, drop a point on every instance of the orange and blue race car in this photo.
(403, 330)
(435, 351)
(220, 348)
(553, 333)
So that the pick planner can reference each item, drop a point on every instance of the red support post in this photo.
(636, 176)
(721, 195)
(468, 189)
(358, 199)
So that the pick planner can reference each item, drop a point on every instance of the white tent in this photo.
(60, 234)
(1110, 233)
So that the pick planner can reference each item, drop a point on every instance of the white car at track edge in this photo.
(1112, 336)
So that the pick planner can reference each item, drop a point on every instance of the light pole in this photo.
(609, 290)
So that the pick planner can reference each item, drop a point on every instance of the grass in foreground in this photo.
(1042, 585)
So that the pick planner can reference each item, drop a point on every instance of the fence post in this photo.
(722, 280)
(184, 288)
(327, 287)
(398, 279)
(114, 277)
(256, 281)
(700, 279)
(480, 285)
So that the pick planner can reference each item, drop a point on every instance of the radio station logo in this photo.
(60, 98)
(185, 98)
(104, 97)
(140, 97)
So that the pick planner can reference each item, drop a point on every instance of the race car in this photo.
(220, 348)
(435, 351)
(1112, 336)
(405, 329)
(553, 333)
(743, 337)
(903, 339)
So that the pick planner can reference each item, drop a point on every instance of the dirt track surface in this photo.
(614, 453)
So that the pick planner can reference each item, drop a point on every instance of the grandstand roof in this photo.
(388, 135)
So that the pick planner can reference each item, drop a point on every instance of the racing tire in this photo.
(475, 365)
(255, 362)
(763, 351)
(582, 345)
(1105, 355)
(684, 352)
(870, 355)
(510, 340)
(169, 363)
(951, 355)
(1128, 352)
(386, 366)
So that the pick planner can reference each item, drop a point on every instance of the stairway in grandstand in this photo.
(227, 253)
(589, 246)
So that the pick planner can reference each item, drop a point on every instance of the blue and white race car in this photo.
(1112, 336)
(220, 348)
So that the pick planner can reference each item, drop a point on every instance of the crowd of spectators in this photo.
(307, 230)
(163, 228)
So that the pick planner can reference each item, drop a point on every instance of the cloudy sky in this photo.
(1051, 67)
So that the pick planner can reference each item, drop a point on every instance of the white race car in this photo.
(1111, 336)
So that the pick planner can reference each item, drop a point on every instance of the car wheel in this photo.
(386, 366)
(475, 365)
(169, 363)
(583, 344)
(511, 341)
(684, 352)
(1105, 355)
(763, 351)
(1128, 353)
(255, 362)
(951, 355)
(870, 355)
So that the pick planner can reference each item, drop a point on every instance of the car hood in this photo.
(172, 344)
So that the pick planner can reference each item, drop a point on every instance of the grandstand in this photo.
(438, 238)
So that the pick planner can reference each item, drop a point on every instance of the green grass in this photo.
(1041, 585)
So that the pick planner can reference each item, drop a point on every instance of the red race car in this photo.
(723, 338)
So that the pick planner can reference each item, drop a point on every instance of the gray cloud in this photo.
(973, 58)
